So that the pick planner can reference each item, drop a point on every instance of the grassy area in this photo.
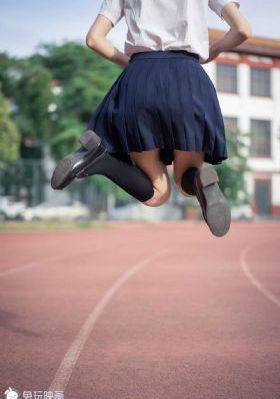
(51, 225)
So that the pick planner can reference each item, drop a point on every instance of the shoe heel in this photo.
(208, 176)
(90, 140)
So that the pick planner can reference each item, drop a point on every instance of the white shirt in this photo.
(164, 24)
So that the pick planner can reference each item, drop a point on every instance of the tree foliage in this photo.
(231, 172)
(33, 97)
(83, 78)
(9, 134)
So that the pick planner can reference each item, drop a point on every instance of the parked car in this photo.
(11, 209)
(139, 211)
(51, 211)
(242, 212)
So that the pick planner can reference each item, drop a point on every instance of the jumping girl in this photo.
(162, 108)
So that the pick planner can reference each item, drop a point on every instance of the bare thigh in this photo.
(184, 160)
(149, 161)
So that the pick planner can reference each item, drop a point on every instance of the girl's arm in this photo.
(240, 30)
(96, 40)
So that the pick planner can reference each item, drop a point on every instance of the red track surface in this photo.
(142, 311)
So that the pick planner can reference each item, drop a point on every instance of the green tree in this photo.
(10, 72)
(231, 173)
(9, 135)
(83, 75)
(84, 78)
(33, 97)
(28, 86)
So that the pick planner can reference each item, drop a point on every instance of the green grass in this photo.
(51, 225)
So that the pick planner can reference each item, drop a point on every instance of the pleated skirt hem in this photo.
(167, 155)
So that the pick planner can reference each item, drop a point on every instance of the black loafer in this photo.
(215, 209)
(69, 167)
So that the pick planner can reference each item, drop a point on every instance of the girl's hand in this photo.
(240, 30)
(213, 53)
(125, 60)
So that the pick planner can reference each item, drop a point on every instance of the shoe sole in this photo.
(216, 210)
(67, 169)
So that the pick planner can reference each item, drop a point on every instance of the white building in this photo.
(247, 81)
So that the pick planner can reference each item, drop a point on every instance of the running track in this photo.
(142, 311)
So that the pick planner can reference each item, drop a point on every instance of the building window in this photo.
(260, 82)
(226, 77)
(263, 197)
(260, 138)
(231, 124)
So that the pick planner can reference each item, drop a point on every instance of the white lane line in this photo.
(70, 359)
(259, 286)
(31, 265)
(17, 269)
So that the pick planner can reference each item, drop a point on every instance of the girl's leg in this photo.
(129, 177)
(92, 158)
(191, 179)
(149, 162)
(184, 160)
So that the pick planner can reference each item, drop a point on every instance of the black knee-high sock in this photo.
(130, 178)
(187, 181)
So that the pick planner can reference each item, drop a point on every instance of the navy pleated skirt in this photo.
(162, 99)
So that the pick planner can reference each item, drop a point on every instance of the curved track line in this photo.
(257, 284)
(70, 359)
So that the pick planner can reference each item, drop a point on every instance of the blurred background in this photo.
(51, 83)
